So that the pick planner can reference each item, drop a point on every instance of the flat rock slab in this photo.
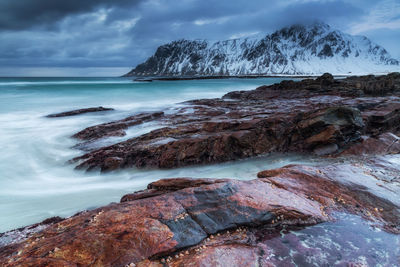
(78, 112)
(208, 222)
(355, 187)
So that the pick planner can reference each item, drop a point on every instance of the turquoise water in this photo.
(35, 180)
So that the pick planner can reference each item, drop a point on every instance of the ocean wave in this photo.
(64, 82)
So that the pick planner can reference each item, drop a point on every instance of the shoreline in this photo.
(181, 221)
(250, 76)
(220, 77)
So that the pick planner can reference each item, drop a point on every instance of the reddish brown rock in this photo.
(169, 185)
(350, 187)
(115, 128)
(206, 222)
(322, 116)
(387, 143)
(383, 117)
(131, 231)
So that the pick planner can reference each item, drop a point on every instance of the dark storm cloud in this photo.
(22, 14)
(100, 33)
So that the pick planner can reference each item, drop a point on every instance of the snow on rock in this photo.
(300, 49)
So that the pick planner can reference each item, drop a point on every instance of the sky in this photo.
(109, 37)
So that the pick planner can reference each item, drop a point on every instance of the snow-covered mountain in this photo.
(299, 49)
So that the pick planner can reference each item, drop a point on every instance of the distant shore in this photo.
(212, 77)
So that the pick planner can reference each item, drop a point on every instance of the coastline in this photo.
(182, 221)
(250, 76)
(214, 77)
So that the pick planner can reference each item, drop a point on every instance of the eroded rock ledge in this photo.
(322, 116)
(78, 112)
(206, 222)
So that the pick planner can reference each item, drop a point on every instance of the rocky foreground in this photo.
(342, 214)
(322, 116)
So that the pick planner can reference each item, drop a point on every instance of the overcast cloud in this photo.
(100, 36)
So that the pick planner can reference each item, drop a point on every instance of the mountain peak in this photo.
(312, 26)
(313, 48)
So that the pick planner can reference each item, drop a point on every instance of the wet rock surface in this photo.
(115, 128)
(341, 212)
(337, 215)
(23, 233)
(78, 112)
(324, 116)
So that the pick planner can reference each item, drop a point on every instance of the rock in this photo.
(129, 232)
(78, 112)
(321, 116)
(383, 117)
(115, 128)
(386, 143)
(326, 79)
(112, 163)
(23, 233)
(348, 186)
(324, 85)
(326, 150)
(338, 125)
(169, 185)
(209, 222)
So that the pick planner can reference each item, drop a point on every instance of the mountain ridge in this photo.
(296, 50)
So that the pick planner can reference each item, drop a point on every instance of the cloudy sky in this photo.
(108, 37)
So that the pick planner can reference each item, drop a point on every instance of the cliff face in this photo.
(299, 49)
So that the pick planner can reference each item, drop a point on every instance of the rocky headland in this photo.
(344, 212)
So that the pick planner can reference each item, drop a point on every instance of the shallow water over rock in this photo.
(350, 240)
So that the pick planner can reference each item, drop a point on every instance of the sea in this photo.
(36, 180)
